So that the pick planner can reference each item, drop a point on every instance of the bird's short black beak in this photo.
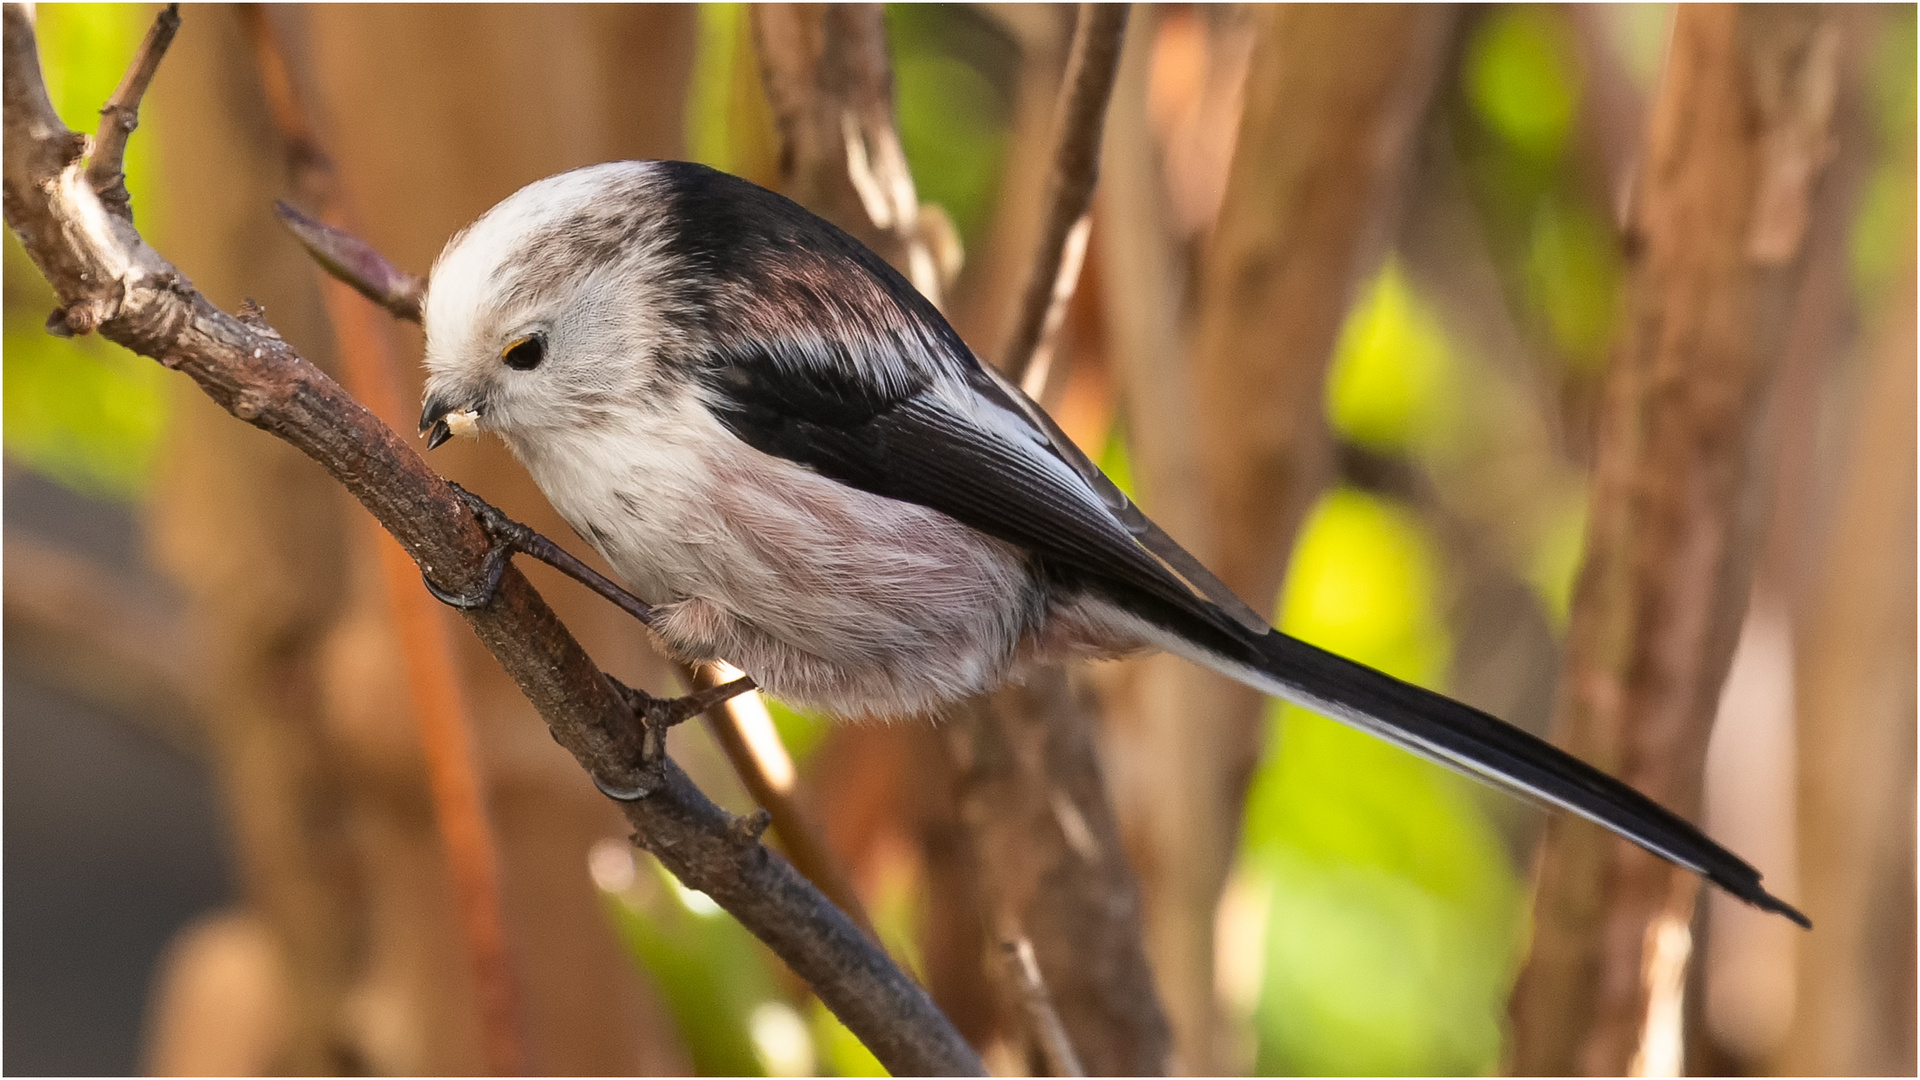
(433, 421)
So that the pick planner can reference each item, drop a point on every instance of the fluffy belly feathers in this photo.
(827, 596)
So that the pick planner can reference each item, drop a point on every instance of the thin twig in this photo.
(107, 171)
(355, 262)
(107, 637)
(1023, 971)
(455, 784)
(1079, 119)
(99, 266)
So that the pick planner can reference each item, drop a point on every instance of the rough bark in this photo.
(1738, 135)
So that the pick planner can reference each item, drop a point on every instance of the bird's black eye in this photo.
(525, 353)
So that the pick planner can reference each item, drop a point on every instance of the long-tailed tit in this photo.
(771, 436)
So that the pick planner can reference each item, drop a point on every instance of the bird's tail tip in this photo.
(1753, 893)
(1769, 902)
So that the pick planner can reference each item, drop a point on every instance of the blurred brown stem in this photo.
(1046, 846)
(1031, 794)
(1738, 136)
(827, 76)
(456, 788)
(1023, 971)
(1854, 672)
(1232, 451)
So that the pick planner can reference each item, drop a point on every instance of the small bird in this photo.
(779, 443)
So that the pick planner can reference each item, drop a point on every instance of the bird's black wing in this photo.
(982, 460)
(976, 459)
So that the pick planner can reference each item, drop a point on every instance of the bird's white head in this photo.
(544, 313)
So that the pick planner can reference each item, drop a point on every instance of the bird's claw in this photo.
(658, 714)
(496, 567)
(508, 536)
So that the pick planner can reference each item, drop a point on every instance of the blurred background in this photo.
(220, 853)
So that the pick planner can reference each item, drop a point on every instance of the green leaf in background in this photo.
(1574, 271)
(800, 732)
(953, 115)
(1522, 74)
(1879, 242)
(1393, 914)
(1392, 366)
(1117, 461)
(720, 985)
(1553, 565)
(709, 969)
(82, 411)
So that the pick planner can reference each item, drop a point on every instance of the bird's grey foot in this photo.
(510, 537)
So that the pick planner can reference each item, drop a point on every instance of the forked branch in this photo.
(100, 267)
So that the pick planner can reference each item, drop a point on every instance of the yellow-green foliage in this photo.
(1573, 278)
(1391, 368)
(1523, 76)
(1394, 913)
(83, 411)
(1883, 228)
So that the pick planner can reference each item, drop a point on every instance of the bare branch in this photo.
(1078, 121)
(100, 266)
(106, 637)
(1044, 839)
(829, 81)
(107, 171)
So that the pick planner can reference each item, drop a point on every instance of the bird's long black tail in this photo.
(1471, 741)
